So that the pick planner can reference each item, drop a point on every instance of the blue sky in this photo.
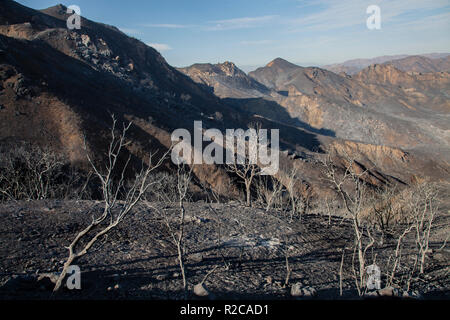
(253, 32)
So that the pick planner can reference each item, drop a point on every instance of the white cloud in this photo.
(160, 46)
(334, 14)
(437, 22)
(240, 23)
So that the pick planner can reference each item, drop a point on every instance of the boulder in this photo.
(196, 257)
(200, 290)
(297, 290)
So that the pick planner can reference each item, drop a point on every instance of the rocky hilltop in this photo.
(226, 79)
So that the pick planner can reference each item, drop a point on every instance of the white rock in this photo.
(200, 290)
(298, 291)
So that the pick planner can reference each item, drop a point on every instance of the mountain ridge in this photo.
(354, 66)
(319, 97)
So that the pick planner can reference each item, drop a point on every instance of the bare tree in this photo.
(269, 191)
(423, 200)
(184, 176)
(397, 213)
(385, 212)
(112, 213)
(248, 169)
(164, 188)
(395, 259)
(212, 195)
(246, 172)
(351, 187)
(298, 192)
(30, 173)
(291, 184)
(391, 211)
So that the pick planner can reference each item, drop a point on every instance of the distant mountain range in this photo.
(379, 105)
(431, 62)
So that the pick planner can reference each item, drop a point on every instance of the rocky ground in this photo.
(246, 248)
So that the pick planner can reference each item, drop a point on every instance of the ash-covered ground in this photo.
(246, 247)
